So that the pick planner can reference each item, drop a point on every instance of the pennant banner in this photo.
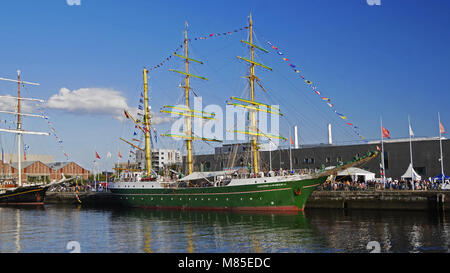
(58, 139)
(195, 39)
(310, 84)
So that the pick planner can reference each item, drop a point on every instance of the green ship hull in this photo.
(288, 196)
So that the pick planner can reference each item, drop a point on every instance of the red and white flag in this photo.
(441, 128)
(120, 155)
(97, 156)
(385, 133)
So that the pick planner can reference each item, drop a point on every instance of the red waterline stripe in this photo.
(28, 203)
(218, 193)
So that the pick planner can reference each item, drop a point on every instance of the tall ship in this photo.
(15, 190)
(220, 190)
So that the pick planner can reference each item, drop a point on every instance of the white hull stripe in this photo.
(212, 193)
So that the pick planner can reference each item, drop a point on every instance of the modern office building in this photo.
(160, 158)
(426, 157)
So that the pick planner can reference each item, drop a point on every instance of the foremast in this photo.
(148, 154)
(146, 128)
(186, 111)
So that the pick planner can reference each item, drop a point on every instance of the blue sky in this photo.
(386, 61)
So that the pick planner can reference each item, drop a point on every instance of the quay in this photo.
(380, 199)
(86, 198)
(374, 199)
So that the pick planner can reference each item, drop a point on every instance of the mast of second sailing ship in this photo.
(19, 130)
(148, 154)
(19, 135)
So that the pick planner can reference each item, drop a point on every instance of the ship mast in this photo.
(188, 119)
(19, 130)
(186, 110)
(254, 138)
(19, 135)
(148, 154)
(253, 105)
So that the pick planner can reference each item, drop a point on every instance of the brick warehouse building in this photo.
(426, 154)
(37, 170)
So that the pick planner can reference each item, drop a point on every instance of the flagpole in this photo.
(410, 153)
(440, 145)
(290, 150)
(382, 151)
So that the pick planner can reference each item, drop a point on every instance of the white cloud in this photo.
(10, 104)
(96, 101)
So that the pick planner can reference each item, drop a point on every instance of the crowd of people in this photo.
(380, 185)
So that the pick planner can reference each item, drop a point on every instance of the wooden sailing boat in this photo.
(222, 190)
(22, 193)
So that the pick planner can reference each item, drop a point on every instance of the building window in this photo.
(339, 159)
(311, 161)
(386, 161)
(328, 159)
(306, 161)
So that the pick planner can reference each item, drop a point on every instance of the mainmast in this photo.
(254, 138)
(186, 111)
(253, 105)
(148, 154)
(188, 119)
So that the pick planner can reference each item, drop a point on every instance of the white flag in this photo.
(411, 133)
(108, 155)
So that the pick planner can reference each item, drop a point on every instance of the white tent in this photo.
(356, 172)
(407, 174)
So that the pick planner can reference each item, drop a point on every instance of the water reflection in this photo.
(50, 228)
(396, 231)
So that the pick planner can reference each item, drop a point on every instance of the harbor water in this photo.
(68, 228)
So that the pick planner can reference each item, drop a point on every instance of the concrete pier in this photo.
(398, 200)
(86, 198)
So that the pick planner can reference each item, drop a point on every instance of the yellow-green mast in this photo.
(188, 118)
(254, 138)
(253, 105)
(147, 125)
(186, 111)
